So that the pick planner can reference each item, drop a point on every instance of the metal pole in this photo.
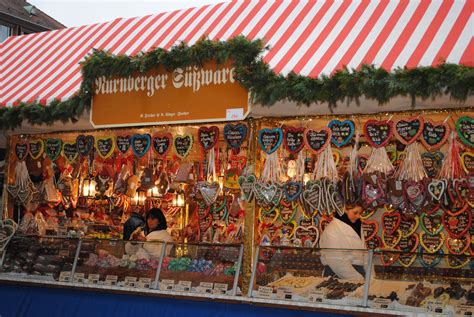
(254, 270)
(76, 258)
(158, 269)
(237, 270)
(368, 273)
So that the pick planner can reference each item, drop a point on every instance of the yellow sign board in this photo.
(183, 95)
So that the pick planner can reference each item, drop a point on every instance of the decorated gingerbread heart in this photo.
(457, 225)
(209, 191)
(391, 222)
(434, 134)
(436, 189)
(292, 190)
(21, 150)
(141, 144)
(293, 139)
(408, 225)
(429, 260)
(182, 144)
(342, 132)
(467, 160)
(459, 245)
(268, 193)
(123, 143)
(369, 229)
(374, 243)
(409, 243)
(85, 143)
(287, 214)
(408, 130)
(36, 148)
(317, 140)
(465, 128)
(407, 259)
(390, 240)
(70, 151)
(432, 224)
(457, 261)
(378, 133)
(270, 139)
(246, 184)
(53, 148)
(431, 243)
(289, 228)
(432, 162)
(162, 143)
(105, 146)
(388, 257)
(310, 234)
(208, 137)
(235, 134)
(268, 217)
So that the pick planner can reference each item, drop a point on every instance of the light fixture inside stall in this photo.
(139, 198)
(88, 187)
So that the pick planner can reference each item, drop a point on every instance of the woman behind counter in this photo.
(156, 231)
(344, 232)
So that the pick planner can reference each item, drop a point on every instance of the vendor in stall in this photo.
(135, 221)
(155, 230)
(344, 233)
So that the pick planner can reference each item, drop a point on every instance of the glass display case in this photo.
(422, 282)
(304, 274)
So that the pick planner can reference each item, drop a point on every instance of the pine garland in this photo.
(257, 77)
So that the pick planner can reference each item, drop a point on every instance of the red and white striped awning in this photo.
(309, 37)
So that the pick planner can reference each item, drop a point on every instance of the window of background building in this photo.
(5, 32)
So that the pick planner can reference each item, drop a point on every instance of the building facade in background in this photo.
(18, 17)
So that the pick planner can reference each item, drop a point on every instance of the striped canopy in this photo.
(309, 37)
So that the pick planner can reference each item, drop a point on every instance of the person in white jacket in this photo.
(156, 228)
(338, 238)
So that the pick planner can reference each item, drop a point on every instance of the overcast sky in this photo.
(81, 12)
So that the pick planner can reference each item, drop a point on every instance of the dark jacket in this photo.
(135, 221)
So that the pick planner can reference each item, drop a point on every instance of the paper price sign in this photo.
(144, 282)
(130, 281)
(265, 292)
(434, 306)
(64, 276)
(93, 279)
(381, 303)
(316, 297)
(220, 288)
(284, 294)
(464, 310)
(167, 285)
(183, 286)
(111, 280)
(78, 277)
(205, 287)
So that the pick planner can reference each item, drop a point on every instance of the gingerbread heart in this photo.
(467, 160)
(378, 133)
(388, 257)
(434, 134)
(409, 244)
(208, 137)
(390, 240)
(36, 148)
(432, 224)
(310, 234)
(432, 162)
(269, 193)
(391, 222)
(312, 197)
(123, 143)
(429, 260)
(342, 132)
(268, 217)
(289, 228)
(292, 190)
(105, 147)
(369, 229)
(457, 225)
(202, 210)
(431, 243)
(235, 135)
(459, 245)
(436, 188)
(465, 128)
(414, 191)
(462, 188)
(85, 143)
(407, 259)
(457, 262)
(270, 139)
(374, 243)
(141, 144)
(293, 139)
(21, 150)
(182, 144)
(53, 148)
(408, 225)
(317, 140)
(162, 143)
(407, 131)
(70, 151)
(209, 191)
(287, 214)
(246, 184)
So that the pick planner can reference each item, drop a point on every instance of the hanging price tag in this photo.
(434, 306)
(93, 279)
(316, 297)
(111, 280)
(220, 288)
(205, 287)
(144, 282)
(167, 285)
(78, 278)
(64, 276)
(183, 286)
(130, 281)
(264, 292)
